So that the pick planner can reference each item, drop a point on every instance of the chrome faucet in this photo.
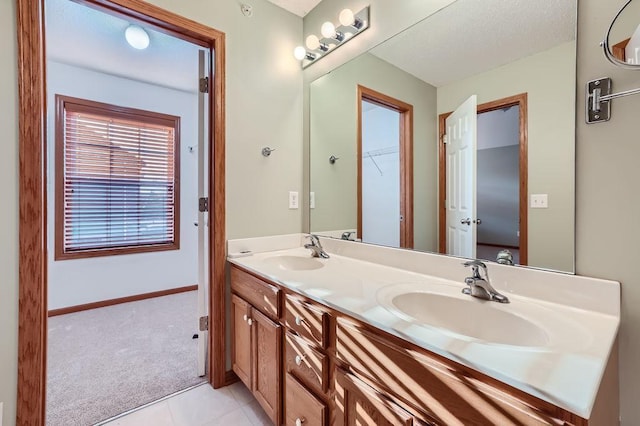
(347, 235)
(315, 247)
(479, 286)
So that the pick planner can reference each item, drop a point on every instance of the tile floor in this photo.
(201, 406)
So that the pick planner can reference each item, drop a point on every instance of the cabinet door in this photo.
(241, 339)
(267, 365)
(364, 406)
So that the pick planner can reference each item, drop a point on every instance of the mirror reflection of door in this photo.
(385, 170)
(499, 221)
(461, 138)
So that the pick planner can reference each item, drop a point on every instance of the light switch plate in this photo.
(539, 201)
(312, 200)
(293, 199)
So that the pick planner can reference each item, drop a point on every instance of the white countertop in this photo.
(565, 371)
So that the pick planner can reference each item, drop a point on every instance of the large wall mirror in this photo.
(456, 135)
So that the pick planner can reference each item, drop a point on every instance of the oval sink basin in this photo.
(473, 318)
(294, 263)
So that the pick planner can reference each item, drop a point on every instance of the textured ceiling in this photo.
(82, 36)
(298, 7)
(472, 36)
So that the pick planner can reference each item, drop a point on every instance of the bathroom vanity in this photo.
(375, 335)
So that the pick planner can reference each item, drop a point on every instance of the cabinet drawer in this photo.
(306, 320)
(365, 405)
(262, 296)
(444, 393)
(309, 365)
(302, 408)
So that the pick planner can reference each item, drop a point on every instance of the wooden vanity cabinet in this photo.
(256, 350)
(311, 365)
(437, 390)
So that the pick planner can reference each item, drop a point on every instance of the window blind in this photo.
(119, 183)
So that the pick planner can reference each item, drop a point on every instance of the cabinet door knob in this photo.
(299, 320)
(244, 317)
(250, 321)
(299, 359)
(300, 420)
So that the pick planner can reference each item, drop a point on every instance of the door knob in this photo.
(249, 321)
(477, 221)
(300, 420)
(299, 359)
(466, 221)
(299, 320)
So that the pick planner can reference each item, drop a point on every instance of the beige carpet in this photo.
(109, 360)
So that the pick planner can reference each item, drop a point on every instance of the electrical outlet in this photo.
(312, 200)
(539, 201)
(293, 199)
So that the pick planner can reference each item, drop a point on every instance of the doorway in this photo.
(127, 158)
(385, 169)
(33, 187)
(505, 230)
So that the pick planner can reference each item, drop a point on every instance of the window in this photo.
(117, 180)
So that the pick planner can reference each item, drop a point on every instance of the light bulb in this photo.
(300, 53)
(347, 18)
(328, 30)
(313, 42)
(137, 37)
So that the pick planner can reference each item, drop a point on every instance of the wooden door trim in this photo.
(32, 298)
(406, 159)
(521, 101)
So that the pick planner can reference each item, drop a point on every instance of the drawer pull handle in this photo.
(300, 420)
(250, 321)
(245, 317)
(299, 320)
(299, 359)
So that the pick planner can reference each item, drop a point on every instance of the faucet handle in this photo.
(475, 262)
(475, 267)
(314, 239)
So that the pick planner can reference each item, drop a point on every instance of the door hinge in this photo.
(203, 204)
(445, 139)
(204, 85)
(204, 323)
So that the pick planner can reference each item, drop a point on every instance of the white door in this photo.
(461, 142)
(203, 223)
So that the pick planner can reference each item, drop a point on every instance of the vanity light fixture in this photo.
(137, 37)
(350, 25)
(300, 53)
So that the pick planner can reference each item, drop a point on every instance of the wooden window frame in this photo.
(122, 113)
(32, 296)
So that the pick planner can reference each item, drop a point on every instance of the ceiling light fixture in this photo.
(137, 37)
(350, 26)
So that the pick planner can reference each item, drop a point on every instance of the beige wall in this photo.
(334, 132)
(549, 80)
(264, 107)
(607, 202)
(8, 212)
